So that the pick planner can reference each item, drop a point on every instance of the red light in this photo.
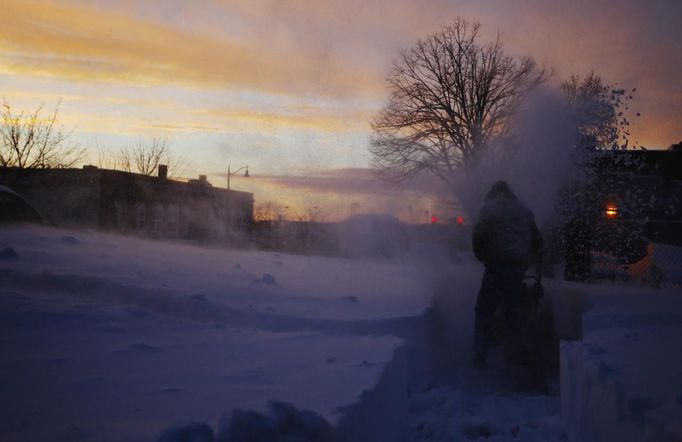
(460, 220)
(434, 219)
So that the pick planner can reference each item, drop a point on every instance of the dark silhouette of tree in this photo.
(600, 110)
(146, 156)
(31, 140)
(451, 98)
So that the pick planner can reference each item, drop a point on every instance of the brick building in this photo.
(126, 202)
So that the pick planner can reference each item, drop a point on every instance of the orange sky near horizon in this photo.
(290, 85)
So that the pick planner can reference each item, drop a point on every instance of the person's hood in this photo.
(499, 190)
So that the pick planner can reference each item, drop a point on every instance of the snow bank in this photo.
(446, 414)
(622, 380)
(668, 259)
(112, 338)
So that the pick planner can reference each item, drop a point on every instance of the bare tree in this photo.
(600, 110)
(146, 155)
(451, 97)
(29, 140)
(312, 214)
(104, 157)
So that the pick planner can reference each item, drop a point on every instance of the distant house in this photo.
(126, 202)
(633, 209)
(648, 186)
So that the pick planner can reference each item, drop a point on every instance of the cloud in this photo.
(312, 118)
(337, 48)
(628, 42)
(128, 112)
(352, 181)
(88, 44)
(632, 43)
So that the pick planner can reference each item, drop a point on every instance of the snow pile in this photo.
(668, 260)
(373, 235)
(463, 404)
(446, 414)
(622, 381)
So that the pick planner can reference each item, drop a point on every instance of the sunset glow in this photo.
(291, 86)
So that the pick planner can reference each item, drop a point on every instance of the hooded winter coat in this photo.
(506, 232)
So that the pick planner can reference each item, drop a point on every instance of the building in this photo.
(632, 208)
(112, 200)
(644, 187)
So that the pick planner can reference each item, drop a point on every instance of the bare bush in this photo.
(146, 156)
(31, 140)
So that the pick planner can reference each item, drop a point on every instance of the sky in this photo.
(288, 87)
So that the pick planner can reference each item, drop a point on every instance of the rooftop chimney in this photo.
(163, 171)
(202, 178)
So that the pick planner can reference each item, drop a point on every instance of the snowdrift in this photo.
(113, 338)
(620, 379)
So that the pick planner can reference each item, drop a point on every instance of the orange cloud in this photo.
(338, 48)
(85, 44)
(321, 120)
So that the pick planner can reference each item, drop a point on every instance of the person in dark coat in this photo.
(507, 240)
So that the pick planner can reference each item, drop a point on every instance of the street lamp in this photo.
(611, 211)
(229, 174)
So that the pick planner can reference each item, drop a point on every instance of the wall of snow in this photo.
(621, 381)
(381, 413)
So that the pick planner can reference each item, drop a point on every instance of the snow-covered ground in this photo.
(104, 337)
(622, 380)
(286, 284)
(452, 414)
(88, 370)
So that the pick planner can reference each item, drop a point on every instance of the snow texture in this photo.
(446, 414)
(622, 380)
(113, 338)
(104, 337)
